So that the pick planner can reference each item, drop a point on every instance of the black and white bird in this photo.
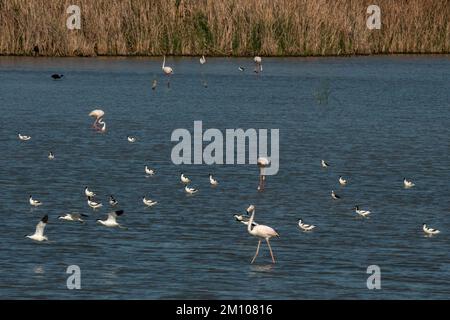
(93, 204)
(342, 181)
(429, 231)
(76, 217)
(324, 164)
(34, 202)
(190, 190)
(184, 179)
(39, 233)
(23, 137)
(241, 68)
(112, 201)
(305, 227)
(334, 195)
(244, 219)
(213, 181)
(111, 221)
(57, 76)
(51, 156)
(148, 202)
(362, 213)
(149, 172)
(407, 183)
(88, 192)
(131, 139)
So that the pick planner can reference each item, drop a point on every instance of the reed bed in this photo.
(223, 27)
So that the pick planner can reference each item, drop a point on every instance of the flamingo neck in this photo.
(164, 62)
(250, 222)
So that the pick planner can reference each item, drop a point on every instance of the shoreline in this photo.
(437, 54)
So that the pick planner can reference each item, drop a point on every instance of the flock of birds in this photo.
(262, 232)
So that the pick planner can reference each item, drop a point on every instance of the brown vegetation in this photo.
(223, 27)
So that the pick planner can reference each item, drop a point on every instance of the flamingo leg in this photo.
(257, 251)
(270, 249)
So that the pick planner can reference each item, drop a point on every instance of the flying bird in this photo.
(39, 233)
(111, 220)
(76, 217)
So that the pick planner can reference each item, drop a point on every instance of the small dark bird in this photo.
(56, 76)
(154, 84)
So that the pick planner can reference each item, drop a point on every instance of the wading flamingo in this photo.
(167, 71)
(262, 163)
(258, 62)
(260, 231)
(98, 115)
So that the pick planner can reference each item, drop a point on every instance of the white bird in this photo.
(429, 231)
(23, 137)
(342, 181)
(51, 156)
(258, 62)
(334, 195)
(39, 233)
(324, 164)
(88, 192)
(190, 190)
(241, 68)
(168, 71)
(148, 202)
(362, 213)
(33, 202)
(149, 171)
(73, 217)
(97, 114)
(304, 226)
(94, 204)
(111, 220)
(184, 179)
(202, 60)
(243, 219)
(131, 139)
(262, 163)
(408, 183)
(261, 232)
(213, 181)
(112, 201)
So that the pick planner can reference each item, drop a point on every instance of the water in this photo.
(386, 118)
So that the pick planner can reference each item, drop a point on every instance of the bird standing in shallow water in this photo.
(261, 232)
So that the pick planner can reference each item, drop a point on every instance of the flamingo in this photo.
(262, 163)
(167, 70)
(260, 231)
(258, 62)
(97, 114)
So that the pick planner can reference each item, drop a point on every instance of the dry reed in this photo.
(223, 27)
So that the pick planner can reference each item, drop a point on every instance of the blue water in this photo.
(386, 118)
